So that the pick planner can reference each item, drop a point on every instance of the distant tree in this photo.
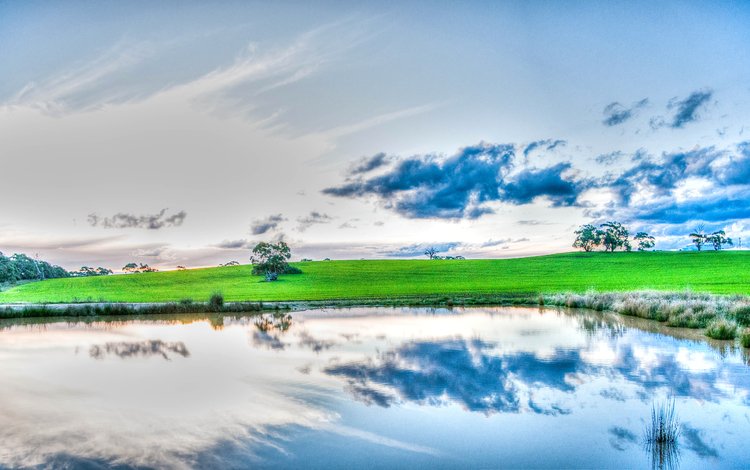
(615, 236)
(130, 268)
(181, 268)
(87, 271)
(588, 237)
(138, 268)
(230, 263)
(644, 241)
(430, 252)
(698, 237)
(718, 239)
(19, 267)
(327, 259)
(304, 260)
(271, 260)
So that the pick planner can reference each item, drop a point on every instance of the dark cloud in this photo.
(150, 222)
(234, 244)
(716, 208)
(664, 175)
(547, 144)
(312, 219)
(616, 113)
(316, 345)
(369, 164)
(125, 350)
(687, 109)
(418, 249)
(261, 226)
(460, 186)
(532, 183)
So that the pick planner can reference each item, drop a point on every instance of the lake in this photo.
(367, 388)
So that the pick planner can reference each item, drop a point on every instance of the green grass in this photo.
(725, 272)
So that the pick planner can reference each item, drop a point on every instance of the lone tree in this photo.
(588, 237)
(698, 237)
(270, 260)
(430, 252)
(615, 236)
(644, 241)
(718, 239)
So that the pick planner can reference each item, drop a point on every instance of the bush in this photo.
(721, 329)
(745, 338)
(741, 314)
(216, 302)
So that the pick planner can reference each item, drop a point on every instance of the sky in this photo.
(182, 133)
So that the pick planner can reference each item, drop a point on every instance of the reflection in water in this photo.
(125, 350)
(482, 387)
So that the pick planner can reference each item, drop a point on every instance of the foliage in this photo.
(745, 338)
(271, 260)
(430, 252)
(644, 241)
(721, 329)
(588, 237)
(718, 239)
(20, 267)
(698, 237)
(138, 268)
(87, 271)
(615, 236)
(230, 263)
(216, 301)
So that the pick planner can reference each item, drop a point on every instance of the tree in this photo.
(718, 239)
(698, 237)
(270, 260)
(138, 268)
(644, 240)
(87, 271)
(615, 236)
(430, 252)
(181, 268)
(588, 237)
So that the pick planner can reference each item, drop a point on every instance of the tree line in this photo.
(716, 239)
(611, 236)
(19, 267)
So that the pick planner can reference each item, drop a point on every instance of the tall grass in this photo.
(720, 315)
(665, 425)
(661, 435)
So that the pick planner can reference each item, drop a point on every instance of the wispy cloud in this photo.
(616, 113)
(148, 221)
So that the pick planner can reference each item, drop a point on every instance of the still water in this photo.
(367, 388)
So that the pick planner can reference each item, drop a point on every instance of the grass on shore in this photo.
(724, 272)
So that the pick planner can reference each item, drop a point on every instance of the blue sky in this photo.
(183, 132)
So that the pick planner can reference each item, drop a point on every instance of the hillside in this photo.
(718, 272)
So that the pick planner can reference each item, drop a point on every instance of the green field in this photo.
(721, 272)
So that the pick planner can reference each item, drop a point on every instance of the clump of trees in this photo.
(19, 267)
(432, 253)
(138, 268)
(717, 239)
(611, 236)
(271, 260)
(87, 271)
(230, 263)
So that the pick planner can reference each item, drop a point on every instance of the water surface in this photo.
(369, 387)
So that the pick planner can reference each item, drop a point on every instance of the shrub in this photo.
(216, 302)
(745, 338)
(741, 314)
(721, 329)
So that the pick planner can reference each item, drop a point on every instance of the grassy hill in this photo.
(717, 272)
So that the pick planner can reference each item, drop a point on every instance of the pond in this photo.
(367, 387)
